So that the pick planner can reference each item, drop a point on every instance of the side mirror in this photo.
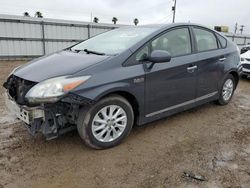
(159, 56)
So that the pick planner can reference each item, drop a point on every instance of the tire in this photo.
(223, 100)
(92, 119)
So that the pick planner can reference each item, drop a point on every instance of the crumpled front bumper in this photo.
(29, 115)
(52, 120)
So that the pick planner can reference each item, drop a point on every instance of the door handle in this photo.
(222, 59)
(192, 68)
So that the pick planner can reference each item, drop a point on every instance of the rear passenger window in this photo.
(223, 41)
(205, 40)
(176, 42)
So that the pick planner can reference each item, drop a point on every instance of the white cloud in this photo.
(210, 12)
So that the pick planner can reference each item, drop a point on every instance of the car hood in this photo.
(58, 64)
(246, 55)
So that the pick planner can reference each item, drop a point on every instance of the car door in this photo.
(210, 62)
(171, 85)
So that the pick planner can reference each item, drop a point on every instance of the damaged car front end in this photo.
(47, 107)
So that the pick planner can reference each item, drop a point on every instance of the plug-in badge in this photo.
(138, 80)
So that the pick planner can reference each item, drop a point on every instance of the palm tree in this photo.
(96, 20)
(26, 14)
(38, 14)
(136, 21)
(114, 19)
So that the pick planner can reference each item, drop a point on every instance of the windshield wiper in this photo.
(85, 50)
(73, 50)
(93, 52)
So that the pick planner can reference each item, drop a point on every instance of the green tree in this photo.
(96, 20)
(38, 14)
(136, 21)
(114, 19)
(26, 14)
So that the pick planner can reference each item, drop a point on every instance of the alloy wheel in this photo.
(109, 123)
(228, 88)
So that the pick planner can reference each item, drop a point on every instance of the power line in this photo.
(166, 19)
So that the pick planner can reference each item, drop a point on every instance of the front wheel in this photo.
(227, 90)
(106, 123)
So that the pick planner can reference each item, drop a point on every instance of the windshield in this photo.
(115, 41)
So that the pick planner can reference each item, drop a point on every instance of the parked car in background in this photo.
(131, 75)
(245, 62)
(245, 49)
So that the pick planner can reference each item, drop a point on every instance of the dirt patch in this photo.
(210, 140)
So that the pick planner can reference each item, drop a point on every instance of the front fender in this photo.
(128, 86)
(136, 90)
(97, 93)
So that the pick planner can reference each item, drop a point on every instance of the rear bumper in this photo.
(245, 70)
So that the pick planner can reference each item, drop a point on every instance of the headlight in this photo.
(52, 89)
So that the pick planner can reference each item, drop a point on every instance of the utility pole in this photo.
(235, 28)
(241, 29)
(174, 10)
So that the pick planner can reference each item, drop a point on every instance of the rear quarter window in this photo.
(222, 40)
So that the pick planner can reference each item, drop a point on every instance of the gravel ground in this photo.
(211, 141)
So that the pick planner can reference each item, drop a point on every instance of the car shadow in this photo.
(72, 138)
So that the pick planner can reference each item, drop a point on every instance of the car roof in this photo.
(166, 26)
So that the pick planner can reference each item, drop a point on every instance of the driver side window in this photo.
(176, 42)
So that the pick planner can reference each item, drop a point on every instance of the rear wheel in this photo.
(227, 90)
(107, 123)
